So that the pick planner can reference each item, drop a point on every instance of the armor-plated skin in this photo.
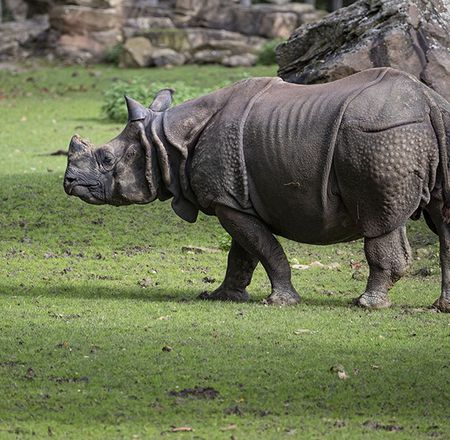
(317, 164)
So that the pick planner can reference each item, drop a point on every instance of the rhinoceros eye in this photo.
(106, 159)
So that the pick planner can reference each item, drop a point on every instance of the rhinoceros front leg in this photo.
(388, 257)
(255, 238)
(240, 268)
(443, 231)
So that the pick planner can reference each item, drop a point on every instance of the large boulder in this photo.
(19, 38)
(167, 57)
(244, 60)
(136, 52)
(81, 20)
(411, 35)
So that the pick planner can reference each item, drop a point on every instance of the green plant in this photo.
(225, 241)
(112, 55)
(114, 107)
(266, 55)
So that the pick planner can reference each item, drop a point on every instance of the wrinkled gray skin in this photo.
(317, 164)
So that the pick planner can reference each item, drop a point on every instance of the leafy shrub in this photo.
(114, 105)
(112, 55)
(266, 55)
(225, 241)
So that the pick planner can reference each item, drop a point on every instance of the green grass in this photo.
(81, 339)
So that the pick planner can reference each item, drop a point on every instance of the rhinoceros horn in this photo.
(136, 111)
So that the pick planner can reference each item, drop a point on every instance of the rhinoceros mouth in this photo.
(84, 193)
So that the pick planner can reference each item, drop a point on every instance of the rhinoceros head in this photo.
(120, 171)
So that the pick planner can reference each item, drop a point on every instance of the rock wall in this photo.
(207, 31)
(153, 32)
(412, 35)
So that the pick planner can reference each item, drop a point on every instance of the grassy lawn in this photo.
(102, 335)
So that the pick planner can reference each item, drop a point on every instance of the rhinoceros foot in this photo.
(283, 298)
(442, 304)
(372, 300)
(226, 295)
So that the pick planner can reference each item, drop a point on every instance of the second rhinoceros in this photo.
(316, 164)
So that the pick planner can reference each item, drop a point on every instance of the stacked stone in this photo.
(208, 31)
(83, 30)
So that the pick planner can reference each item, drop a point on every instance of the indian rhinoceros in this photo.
(317, 164)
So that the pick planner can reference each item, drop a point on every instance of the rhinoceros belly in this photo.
(288, 143)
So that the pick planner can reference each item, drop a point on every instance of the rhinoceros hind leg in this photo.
(388, 257)
(254, 237)
(443, 230)
(240, 268)
(373, 300)
(442, 304)
(281, 297)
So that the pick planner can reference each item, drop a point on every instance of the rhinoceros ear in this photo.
(136, 111)
(162, 100)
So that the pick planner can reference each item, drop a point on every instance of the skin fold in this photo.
(320, 164)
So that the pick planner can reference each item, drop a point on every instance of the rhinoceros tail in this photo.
(440, 128)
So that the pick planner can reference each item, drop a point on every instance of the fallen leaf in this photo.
(342, 375)
(229, 427)
(356, 265)
(304, 331)
(182, 429)
(199, 250)
(300, 266)
(339, 369)
(163, 318)
(146, 282)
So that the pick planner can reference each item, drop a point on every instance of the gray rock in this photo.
(244, 60)
(210, 56)
(137, 52)
(139, 26)
(81, 20)
(16, 36)
(167, 57)
(411, 35)
(17, 8)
